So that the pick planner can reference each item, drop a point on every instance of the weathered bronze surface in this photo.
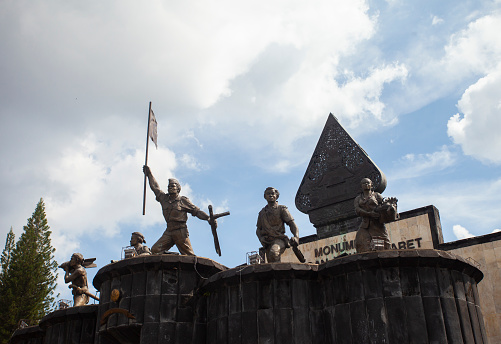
(76, 275)
(270, 227)
(213, 224)
(331, 181)
(137, 240)
(175, 209)
(375, 212)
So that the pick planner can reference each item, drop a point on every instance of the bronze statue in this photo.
(137, 240)
(375, 212)
(175, 209)
(76, 274)
(271, 229)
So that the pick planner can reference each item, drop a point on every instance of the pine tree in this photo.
(7, 254)
(29, 276)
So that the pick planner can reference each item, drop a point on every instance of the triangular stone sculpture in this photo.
(332, 181)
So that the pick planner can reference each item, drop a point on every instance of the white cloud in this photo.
(477, 130)
(190, 162)
(416, 165)
(461, 233)
(436, 20)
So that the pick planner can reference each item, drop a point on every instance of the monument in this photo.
(76, 275)
(379, 296)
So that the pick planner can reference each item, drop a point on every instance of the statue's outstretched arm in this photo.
(152, 181)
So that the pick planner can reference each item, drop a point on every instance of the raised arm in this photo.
(152, 181)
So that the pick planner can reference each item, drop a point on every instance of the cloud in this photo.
(417, 165)
(436, 20)
(477, 129)
(461, 233)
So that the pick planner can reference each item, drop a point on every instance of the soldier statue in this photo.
(76, 274)
(271, 229)
(137, 240)
(375, 212)
(175, 209)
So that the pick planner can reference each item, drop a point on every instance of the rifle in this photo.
(87, 263)
(294, 245)
(213, 225)
(83, 291)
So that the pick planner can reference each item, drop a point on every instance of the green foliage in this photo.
(28, 276)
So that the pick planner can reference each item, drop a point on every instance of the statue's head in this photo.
(174, 186)
(136, 238)
(366, 183)
(76, 259)
(271, 191)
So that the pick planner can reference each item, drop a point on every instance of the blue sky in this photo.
(241, 92)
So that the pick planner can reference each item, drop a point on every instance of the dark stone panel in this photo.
(359, 322)
(397, 324)
(283, 294)
(199, 333)
(415, 320)
(105, 291)
(434, 320)
(223, 302)
(187, 281)
(355, 286)
(76, 332)
(343, 324)
(373, 285)
(153, 282)
(149, 333)
(235, 328)
(317, 296)
(184, 332)
(213, 304)
(451, 320)
(317, 326)
(124, 304)
(170, 285)
(266, 331)
(481, 323)
(70, 326)
(301, 321)
(464, 319)
(167, 332)
(212, 331)
(428, 281)
(339, 289)
(137, 308)
(235, 299)
(391, 282)
(152, 308)
(62, 333)
(249, 327)
(222, 330)
(445, 284)
(201, 310)
(250, 290)
(477, 333)
(283, 325)
(48, 335)
(184, 314)
(457, 280)
(378, 323)
(265, 295)
(329, 324)
(168, 308)
(300, 293)
(139, 283)
(409, 281)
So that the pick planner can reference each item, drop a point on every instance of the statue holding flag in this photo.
(174, 207)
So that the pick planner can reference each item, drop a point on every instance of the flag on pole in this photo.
(153, 128)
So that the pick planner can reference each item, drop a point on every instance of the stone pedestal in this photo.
(398, 296)
(149, 299)
(70, 325)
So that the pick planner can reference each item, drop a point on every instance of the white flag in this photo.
(153, 128)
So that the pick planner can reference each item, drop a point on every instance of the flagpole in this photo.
(146, 159)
